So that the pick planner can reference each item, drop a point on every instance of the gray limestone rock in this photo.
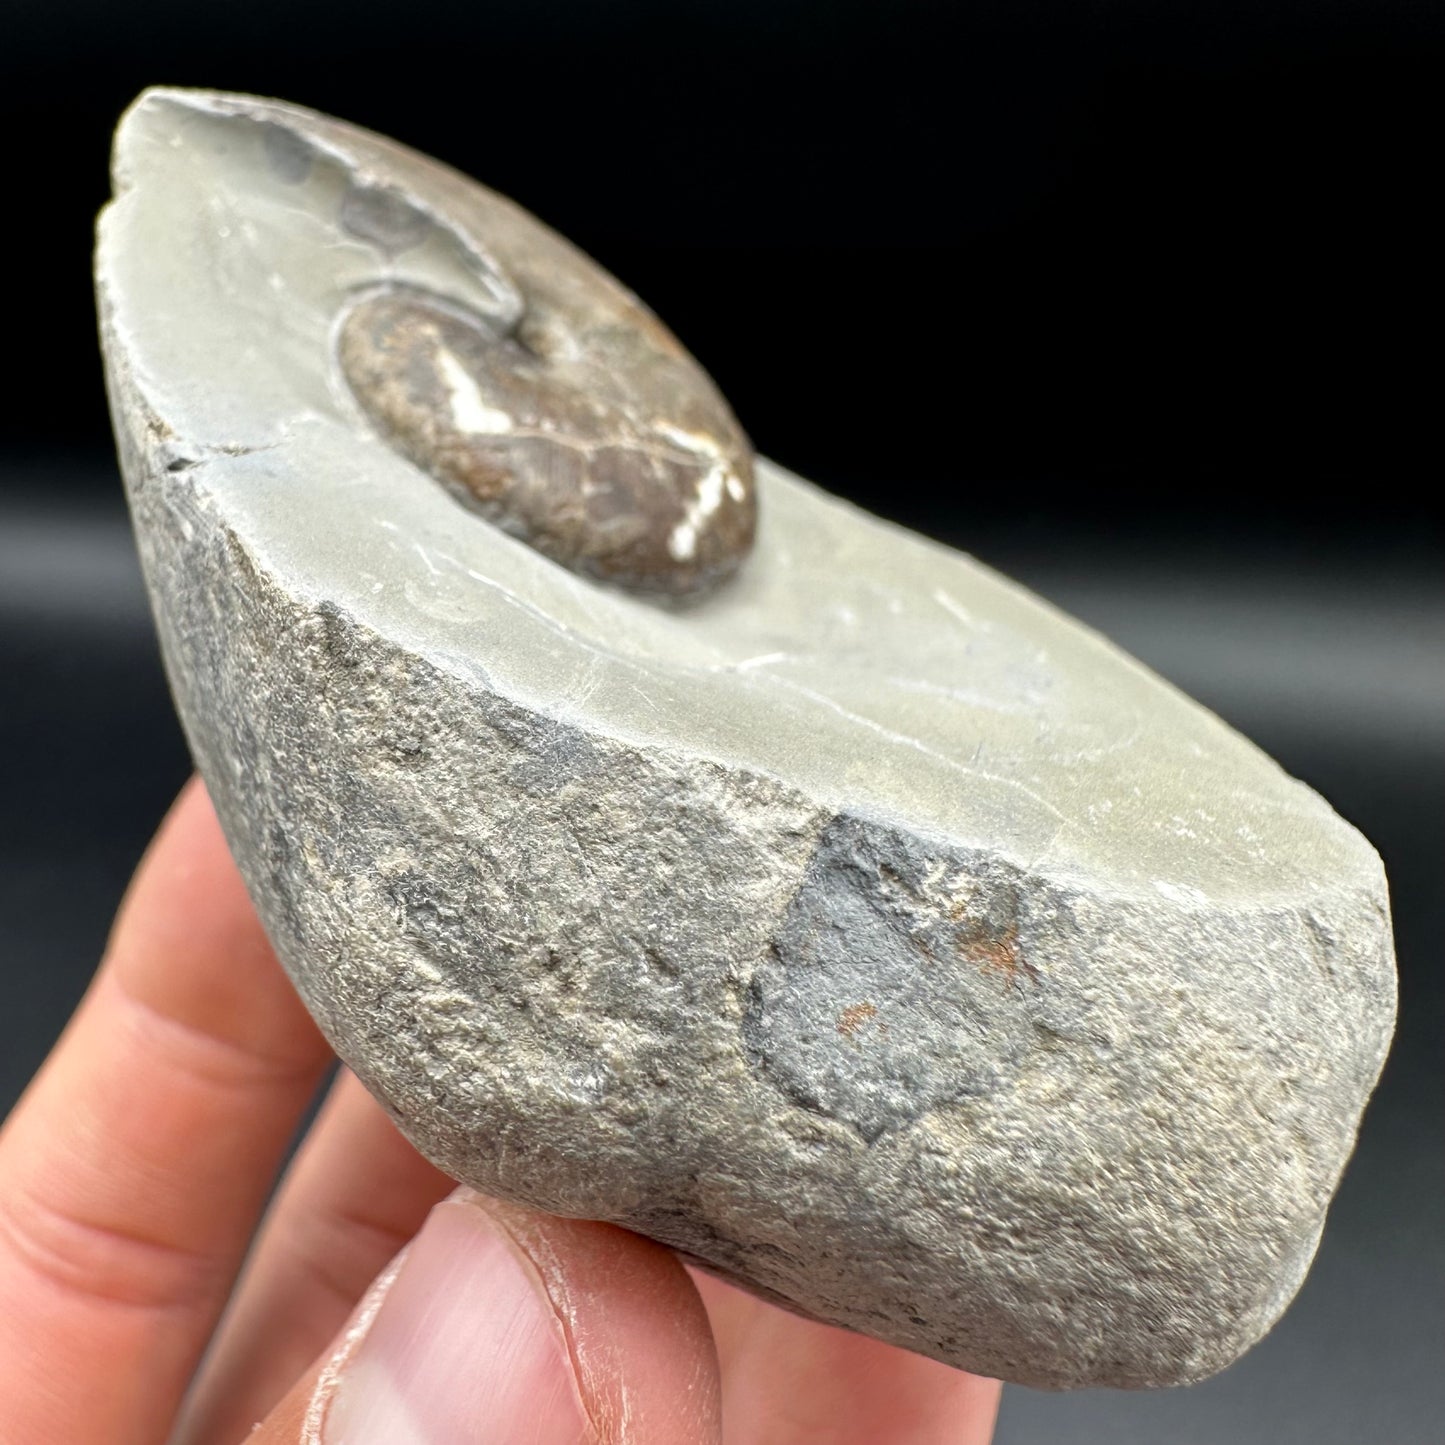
(866, 930)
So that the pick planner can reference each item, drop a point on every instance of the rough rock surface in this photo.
(870, 931)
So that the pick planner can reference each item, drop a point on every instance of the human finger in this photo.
(354, 1195)
(135, 1166)
(791, 1381)
(499, 1324)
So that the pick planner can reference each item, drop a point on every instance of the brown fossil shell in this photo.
(577, 423)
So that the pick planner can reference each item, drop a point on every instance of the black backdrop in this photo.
(1135, 301)
(1158, 257)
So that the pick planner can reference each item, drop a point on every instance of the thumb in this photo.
(501, 1324)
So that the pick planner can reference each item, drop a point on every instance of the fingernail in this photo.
(464, 1349)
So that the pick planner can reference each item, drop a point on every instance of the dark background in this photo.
(1136, 302)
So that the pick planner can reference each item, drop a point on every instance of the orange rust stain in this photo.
(1001, 955)
(854, 1017)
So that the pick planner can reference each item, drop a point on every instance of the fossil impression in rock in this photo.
(824, 906)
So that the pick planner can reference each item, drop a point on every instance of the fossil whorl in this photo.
(584, 429)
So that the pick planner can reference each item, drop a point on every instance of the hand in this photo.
(135, 1168)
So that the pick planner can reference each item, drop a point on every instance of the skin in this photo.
(136, 1169)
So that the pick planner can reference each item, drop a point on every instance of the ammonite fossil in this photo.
(863, 929)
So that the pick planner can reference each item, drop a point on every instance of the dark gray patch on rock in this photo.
(897, 981)
(384, 218)
(288, 155)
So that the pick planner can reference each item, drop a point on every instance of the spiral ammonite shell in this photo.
(593, 437)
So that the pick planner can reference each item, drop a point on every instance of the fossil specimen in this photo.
(864, 929)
